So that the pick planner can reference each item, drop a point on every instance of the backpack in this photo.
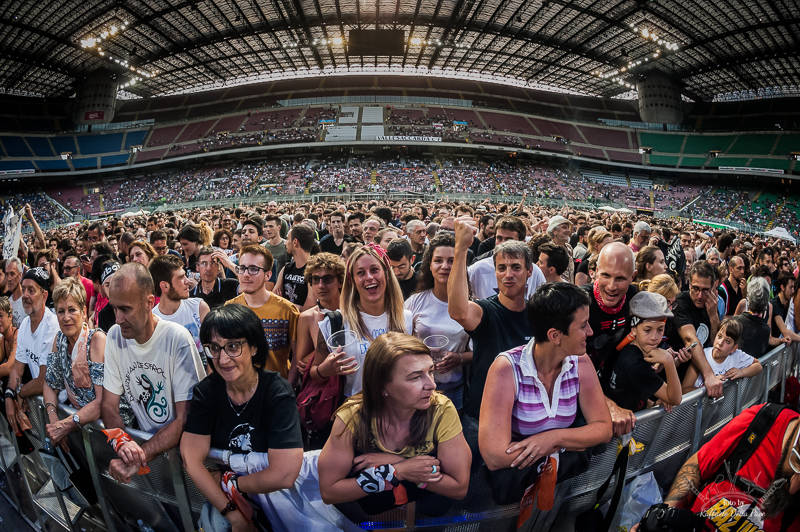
(318, 400)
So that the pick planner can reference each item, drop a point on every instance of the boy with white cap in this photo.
(633, 379)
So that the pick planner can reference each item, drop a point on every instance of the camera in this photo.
(664, 518)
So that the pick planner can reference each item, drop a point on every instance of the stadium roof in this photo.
(716, 48)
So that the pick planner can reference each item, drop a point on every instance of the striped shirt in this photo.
(534, 411)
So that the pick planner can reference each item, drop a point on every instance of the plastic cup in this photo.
(437, 343)
(343, 338)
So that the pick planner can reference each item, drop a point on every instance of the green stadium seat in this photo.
(728, 161)
(693, 162)
(664, 160)
(782, 164)
(662, 142)
(752, 145)
(706, 143)
(787, 144)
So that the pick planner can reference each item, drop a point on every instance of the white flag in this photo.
(13, 231)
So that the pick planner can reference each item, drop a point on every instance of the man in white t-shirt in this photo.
(482, 277)
(34, 341)
(154, 363)
(172, 286)
(14, 290)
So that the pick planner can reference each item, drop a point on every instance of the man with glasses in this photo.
(72, 268)
(154, 363)
(762, 491)
(212, 288)
(278, 316)
(158, 239)
(696, 322)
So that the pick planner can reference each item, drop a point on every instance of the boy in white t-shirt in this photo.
(725, 358)
(154, 363)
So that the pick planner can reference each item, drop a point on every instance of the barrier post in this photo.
(181, 493)
(11, 487)
(767, 373)
(783, 372)
(94, 471)
(698, 426)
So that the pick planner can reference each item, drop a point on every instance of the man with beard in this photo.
(172, 286)
(34, 342)
(755, 458)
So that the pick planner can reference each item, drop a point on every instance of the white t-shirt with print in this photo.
(33, 347)
(376, 325)
(738, 359)
(17, 311)
(483, 281)
(430, 316)
(155, 375)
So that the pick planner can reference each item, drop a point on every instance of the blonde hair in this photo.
(206, 233)
(392, 299)
(595, 238)
(70, 288)
(661, 284)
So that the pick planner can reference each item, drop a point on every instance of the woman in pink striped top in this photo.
(533, 391)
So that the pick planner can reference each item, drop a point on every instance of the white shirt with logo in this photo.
(155, 375)
(187, 315)
(34, 346)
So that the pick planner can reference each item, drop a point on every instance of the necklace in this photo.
(243, 406)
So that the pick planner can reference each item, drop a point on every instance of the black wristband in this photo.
(10, 394)
(231, 506)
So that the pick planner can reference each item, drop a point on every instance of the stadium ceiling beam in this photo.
(404, 20)
(428, 31)
(736, 60)
(307, 30)
(411, 28)
(30, 60)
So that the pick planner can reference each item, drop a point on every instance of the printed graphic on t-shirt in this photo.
(276, 332)
(241, 438)
(34, 358)
(144, 384)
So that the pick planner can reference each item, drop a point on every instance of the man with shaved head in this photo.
(610, 296)
(154, 363)
(732, 289)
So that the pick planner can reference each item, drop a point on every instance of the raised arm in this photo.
(467, 313)
(712, 382)
(37, 231)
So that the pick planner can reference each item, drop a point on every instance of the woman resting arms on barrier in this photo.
(242, 409)
(533, 392)
(398, 440)
(76, 364)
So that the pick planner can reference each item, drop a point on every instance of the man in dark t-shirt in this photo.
(335, 240)
(211, 288)
(697, 320)
(609, 318)
(495, 324)
(400, 257)
(732, 288)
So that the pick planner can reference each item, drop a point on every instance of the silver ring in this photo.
(434, 469)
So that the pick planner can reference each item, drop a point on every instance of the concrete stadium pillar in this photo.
(659, 99)
(96, 98)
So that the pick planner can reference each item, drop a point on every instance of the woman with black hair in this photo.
(242, 409)
(429, 308)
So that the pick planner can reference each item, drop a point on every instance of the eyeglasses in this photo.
(794, 456)
(160, 248)
(232, 349)
(252, 270)
(204, 264)
(324, 279)
(697, 289)
(70, 268)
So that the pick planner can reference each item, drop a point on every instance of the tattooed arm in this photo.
(686, 484)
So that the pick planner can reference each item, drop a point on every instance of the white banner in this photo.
(408, 138)
(12, 224)
(15, 172)
(749, 170)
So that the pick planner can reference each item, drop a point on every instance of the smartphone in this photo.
(691, 346)
(84, 258)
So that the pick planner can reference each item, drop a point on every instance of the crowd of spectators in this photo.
(459, 331)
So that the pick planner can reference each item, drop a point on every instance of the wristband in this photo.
(378, 478)
(230, 486)
(10, 394)
(231, 506)
(117, 438)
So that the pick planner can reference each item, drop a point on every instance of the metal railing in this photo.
(166, 498)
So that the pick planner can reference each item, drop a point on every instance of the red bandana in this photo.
(603, 307)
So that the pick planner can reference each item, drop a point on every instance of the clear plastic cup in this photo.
(344, 338)
(437, 343)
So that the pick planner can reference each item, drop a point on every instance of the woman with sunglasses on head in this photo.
(429, 308)
(398, 440)
(242, 409)
(371, 304)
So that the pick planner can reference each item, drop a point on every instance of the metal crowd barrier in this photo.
(166, 498)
